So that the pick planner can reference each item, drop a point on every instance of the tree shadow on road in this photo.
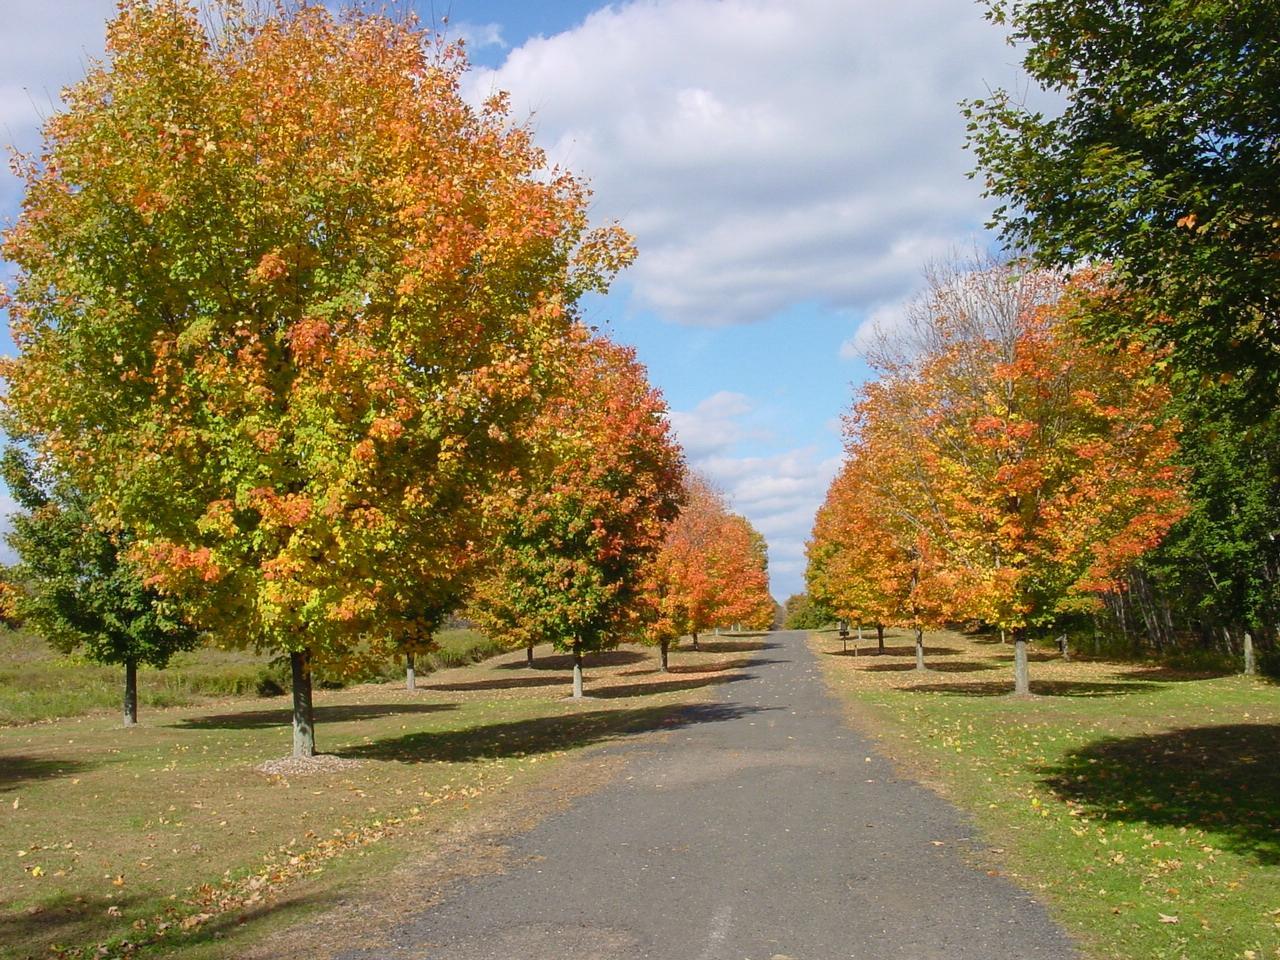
(664, 686)
(21, 768)
(1223, 779)
(336, 713)
(712, 645)
(543, 734)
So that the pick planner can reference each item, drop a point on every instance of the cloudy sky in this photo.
(787, 167)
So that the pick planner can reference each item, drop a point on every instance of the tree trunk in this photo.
(304, 731)
(1021, 673)
(920, 648)
(577, 669)
(879, 638)
(410, 680)
(664, 645)
(130, 692)
(859, 633)
(528, 655)
(1250, 662)
(695, 641)
(1064, 647)
(1002, 639)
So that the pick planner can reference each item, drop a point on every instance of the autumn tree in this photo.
(857, 564)
(74, 588)
(283, 302)
(571, 537)
(1040, 464)
(712, 569)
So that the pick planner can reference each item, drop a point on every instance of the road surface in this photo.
(765, 829)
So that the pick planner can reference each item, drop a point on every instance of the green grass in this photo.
(1141, 803)
(166, 833)
(38, 684)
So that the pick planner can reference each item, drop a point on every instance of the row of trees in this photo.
(1002, 468)
(300, 360)
(1162, 164)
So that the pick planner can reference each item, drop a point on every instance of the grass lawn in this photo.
(1141, 804)
(36, 683)
(167, 835)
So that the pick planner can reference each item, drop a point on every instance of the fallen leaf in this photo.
(1165, 918)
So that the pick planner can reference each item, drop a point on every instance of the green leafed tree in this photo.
(76, 589)
(1163, 160)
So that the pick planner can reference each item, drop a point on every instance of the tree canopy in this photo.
(1163, 160)
(283, 303)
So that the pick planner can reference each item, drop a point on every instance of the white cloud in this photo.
(713, 425)
(767, 154)
(476, 36)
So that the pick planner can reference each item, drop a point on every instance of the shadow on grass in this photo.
(1224, 779)
(1173, 675)
(65, 918)
(564, 661)
(255, 719)
(543, 734)
(910, 651)
(498, 683)
(20, 768)
(945, 666)
(1041, 688)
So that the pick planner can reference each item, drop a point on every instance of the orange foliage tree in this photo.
(1021, 466)
(712, 570)
(283, 302)
(569, 538)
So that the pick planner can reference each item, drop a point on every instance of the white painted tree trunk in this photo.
(410, 680)
(577, 670)
(130, 693)
(1021, 670)
(1250, 661)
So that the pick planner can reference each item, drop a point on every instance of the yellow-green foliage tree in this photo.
(283, 301)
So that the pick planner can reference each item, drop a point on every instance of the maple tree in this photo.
(283, 300)
(1020, 467)
(571, 536)
(712, 570)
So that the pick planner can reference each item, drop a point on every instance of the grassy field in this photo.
(1141, 803)
(167, 835)
(36, 683)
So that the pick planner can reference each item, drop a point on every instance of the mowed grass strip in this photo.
(110, 835)
(1141, 803)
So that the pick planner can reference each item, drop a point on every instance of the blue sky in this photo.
(788, 170)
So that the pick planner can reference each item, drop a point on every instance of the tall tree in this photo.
(1163, 160)
(571, 538)
(283, 302)
(74, 587)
